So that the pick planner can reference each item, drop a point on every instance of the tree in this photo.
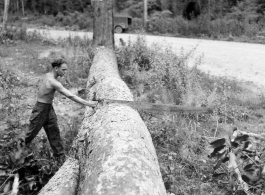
(145, 13)
(5, 14)
(23, 8)
(103, 23)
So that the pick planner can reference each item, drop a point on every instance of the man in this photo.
(43, 114)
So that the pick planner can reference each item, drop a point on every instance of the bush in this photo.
(136, 10)
(13, 34)
(85, 22)
(144, 69)
(48, 20)
(162, 23)
(237, 24)
(181, 140)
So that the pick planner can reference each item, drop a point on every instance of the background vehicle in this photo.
(121, 22)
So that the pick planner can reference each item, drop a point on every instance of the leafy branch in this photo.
(243, 168)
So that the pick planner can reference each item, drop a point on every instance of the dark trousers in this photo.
(43, 115)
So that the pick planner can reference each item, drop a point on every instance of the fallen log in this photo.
(114, 146)
(65, 181)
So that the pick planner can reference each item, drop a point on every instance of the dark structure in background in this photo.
(121, 22)
(192, 10)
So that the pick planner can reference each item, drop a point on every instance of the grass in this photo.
(156, 75)
(181, 142)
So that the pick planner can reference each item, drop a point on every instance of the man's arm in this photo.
(61, 89)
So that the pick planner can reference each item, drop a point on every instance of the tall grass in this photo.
(181, 140)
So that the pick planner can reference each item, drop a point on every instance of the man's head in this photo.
(60, 67)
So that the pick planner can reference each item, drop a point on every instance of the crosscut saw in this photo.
(158, 107)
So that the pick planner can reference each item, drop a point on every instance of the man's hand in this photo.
(100, 103)
(92, 104)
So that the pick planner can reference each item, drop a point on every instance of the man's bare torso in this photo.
(46, 90)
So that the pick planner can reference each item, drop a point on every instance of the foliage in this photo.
(249, 160)
(12, 35)
(29, 168)
(203, 27)
(71, 21)
(155, 74)
(16, 34)
(145, 68)
(79, 54)
(181, 153)
(8, 81)
(32, 173)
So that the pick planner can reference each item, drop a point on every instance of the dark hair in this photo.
(58, 63)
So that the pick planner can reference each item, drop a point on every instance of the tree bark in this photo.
(103, 27)
(5, 14)
(23, 9)
(145, 14)
(65, 181)
(115, 149)
(17, 5)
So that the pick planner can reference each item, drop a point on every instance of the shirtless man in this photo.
(43, 114)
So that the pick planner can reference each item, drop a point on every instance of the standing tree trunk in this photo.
(17, 5)
(200, 5)
(5, 14)
(103, 27)
(23, 9)
(209, 10)
(145, 14)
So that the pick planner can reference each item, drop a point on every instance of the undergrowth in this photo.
(155, 74)
(25, 169)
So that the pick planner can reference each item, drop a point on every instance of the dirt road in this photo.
(242, 61)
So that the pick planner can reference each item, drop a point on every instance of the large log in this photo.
(65, 181)
(115, 149)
